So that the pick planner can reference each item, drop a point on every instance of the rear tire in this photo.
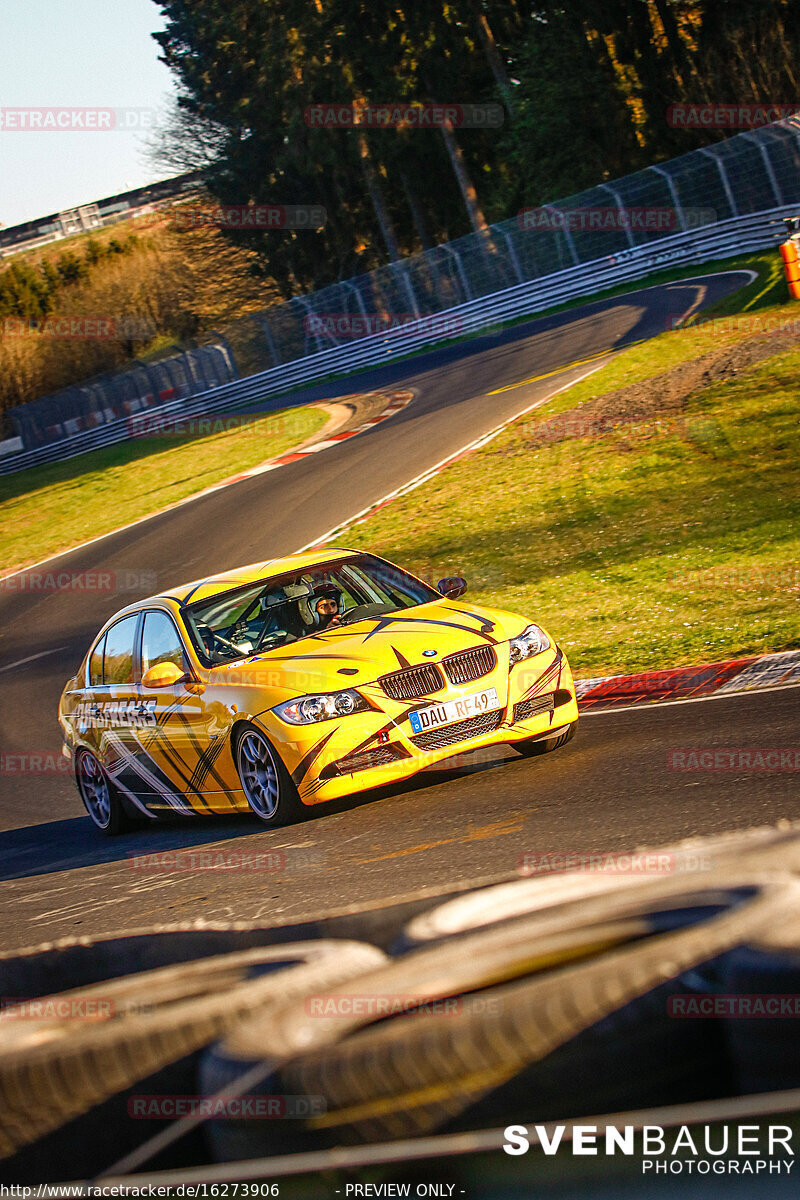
(532, 747)
(99, 796)
(268, 787)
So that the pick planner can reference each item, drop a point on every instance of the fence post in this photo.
(512, 252)
(621, 208)
(567, 233)
(460, 268)
(723, 174)
(673, 191)
(773, 179)
(398, 268)
(270, 340)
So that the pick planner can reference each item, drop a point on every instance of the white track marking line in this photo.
(31, 658)
(431, 472)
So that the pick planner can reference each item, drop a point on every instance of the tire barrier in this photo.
(767, 846)
(542, 998)
(413, 1074)
(759, 995)
(75, 962)
(65, 1053)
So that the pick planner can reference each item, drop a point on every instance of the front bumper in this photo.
(371, 749)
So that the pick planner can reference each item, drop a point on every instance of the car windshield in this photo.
(320, 599)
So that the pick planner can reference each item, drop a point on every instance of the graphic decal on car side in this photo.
(159, 787)
(305, 762)
(105, 714)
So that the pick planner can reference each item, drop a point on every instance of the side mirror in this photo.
(163, 675)
(452, 587)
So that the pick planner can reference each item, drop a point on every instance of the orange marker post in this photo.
(791, 267)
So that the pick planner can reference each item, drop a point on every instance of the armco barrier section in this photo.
(105, 399)
(728, 238)
(726, 199)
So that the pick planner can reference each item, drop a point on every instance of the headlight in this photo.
(326, 707)
(532, 640)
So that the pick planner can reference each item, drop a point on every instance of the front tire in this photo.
(532, 747)
(99, 796)
(268, 787)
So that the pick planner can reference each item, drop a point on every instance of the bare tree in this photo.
(185, 142)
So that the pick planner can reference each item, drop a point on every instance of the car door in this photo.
(113, 704)
(174, 731)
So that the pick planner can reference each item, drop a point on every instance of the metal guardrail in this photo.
(724, 239)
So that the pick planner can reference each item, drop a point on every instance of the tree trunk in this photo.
(470, 196)
(417, 215)
(494, 59)
(376, 196)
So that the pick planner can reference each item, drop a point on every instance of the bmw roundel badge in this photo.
(429, 654)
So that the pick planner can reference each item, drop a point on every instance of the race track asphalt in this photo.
(610, 789)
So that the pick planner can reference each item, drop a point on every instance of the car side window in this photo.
(96, 663)
(161, 642)
(118, 656)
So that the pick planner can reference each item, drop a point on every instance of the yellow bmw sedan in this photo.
(285, 684)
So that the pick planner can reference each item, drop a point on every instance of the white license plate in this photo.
(454, 710)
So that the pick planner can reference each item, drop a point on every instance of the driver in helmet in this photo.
(326, 606)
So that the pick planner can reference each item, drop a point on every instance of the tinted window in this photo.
(274, 612)
(160, 641)
(96, 663)
(118, 659)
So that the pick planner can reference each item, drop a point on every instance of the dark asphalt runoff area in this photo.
(467, 820)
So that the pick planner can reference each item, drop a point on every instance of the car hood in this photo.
(360, 653)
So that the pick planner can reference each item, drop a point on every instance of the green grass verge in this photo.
(635, 552)
(760, 303)
(47, 509)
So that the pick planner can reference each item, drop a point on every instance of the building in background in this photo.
(109, 211)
